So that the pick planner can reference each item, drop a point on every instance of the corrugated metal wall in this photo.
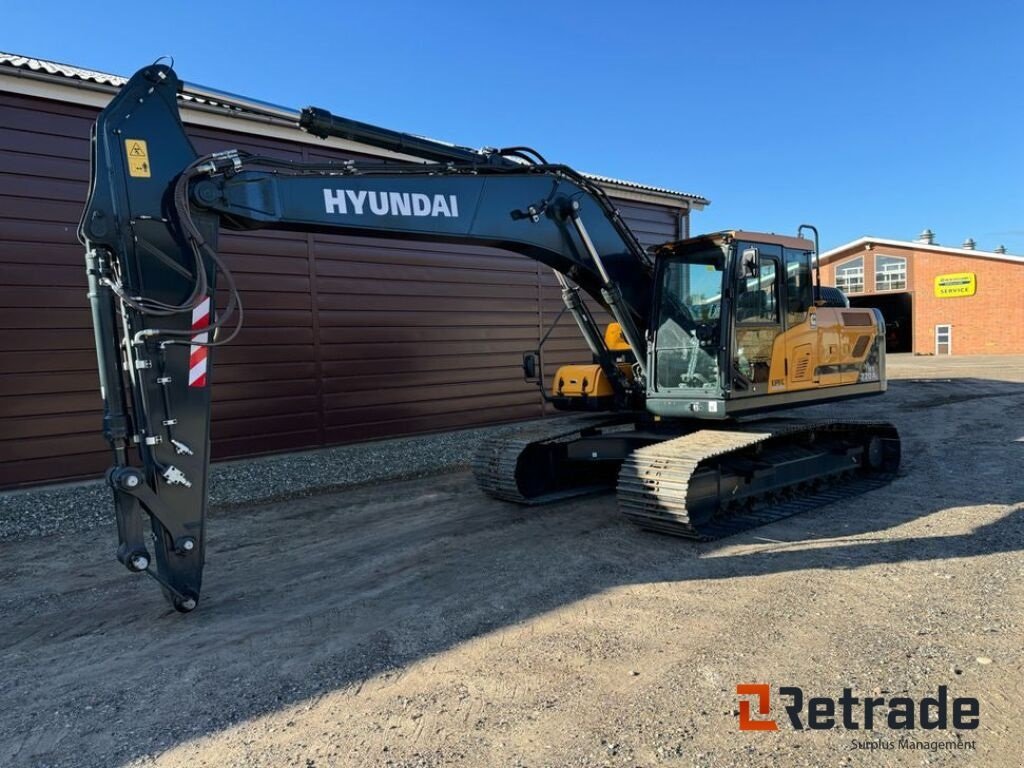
(346, 338)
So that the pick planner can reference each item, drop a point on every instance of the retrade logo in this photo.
(852, 713)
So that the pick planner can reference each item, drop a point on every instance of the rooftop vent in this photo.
(1001, 249)
(927, 237)
(969, 244)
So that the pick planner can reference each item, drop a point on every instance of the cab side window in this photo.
(756, 296)
(799, 286)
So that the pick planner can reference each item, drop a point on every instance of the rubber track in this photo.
(654, 481)
(495, 464)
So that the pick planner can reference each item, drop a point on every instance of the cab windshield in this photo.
(688, 326)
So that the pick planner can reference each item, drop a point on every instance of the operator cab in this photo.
(736, 327)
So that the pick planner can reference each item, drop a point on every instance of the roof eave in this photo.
(628, 192)
(859, 243)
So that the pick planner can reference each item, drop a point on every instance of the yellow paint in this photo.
(585, 380)
(824, 347)
(813, 354)
(138, 158)
(956, 284)
(615, 339)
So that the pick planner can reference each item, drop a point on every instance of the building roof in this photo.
(64, 70)
(698, 199)
(16, 64)
(849, 249)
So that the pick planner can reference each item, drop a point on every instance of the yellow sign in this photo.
(138, 158)
(958, 284)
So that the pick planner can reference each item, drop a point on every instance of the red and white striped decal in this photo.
(197, 355)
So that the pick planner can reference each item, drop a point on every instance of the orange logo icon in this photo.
(760, 690)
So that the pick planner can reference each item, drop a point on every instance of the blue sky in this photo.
(864, 118)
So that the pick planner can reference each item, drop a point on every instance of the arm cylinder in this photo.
(322, 123)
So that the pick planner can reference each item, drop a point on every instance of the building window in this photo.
(943, 339)
(850, 276)
(890, 273)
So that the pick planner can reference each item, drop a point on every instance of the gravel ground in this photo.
(417, 623)
(79, 507)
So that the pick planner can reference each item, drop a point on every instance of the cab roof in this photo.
(730, 235)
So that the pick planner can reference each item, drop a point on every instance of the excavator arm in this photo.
(150, 228)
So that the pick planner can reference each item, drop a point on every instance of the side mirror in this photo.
(531, 366)
(750, 262)
(705, 332)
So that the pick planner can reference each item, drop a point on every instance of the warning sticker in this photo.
(138, 158)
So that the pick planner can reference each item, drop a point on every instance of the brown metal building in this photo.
(346, 338)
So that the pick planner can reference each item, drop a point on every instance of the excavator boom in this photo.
(150, 228)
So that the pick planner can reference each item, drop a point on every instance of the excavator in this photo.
(709, 334)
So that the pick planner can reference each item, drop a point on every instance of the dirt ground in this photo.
(418, 623)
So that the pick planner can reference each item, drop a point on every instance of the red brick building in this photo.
(936, 299)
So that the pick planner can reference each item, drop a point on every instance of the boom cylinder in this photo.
(573, 303)
(612, 294)
(589, 330)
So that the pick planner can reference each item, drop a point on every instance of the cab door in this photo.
(758, 321)
(800, 344)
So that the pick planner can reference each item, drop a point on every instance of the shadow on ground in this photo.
(319, 594)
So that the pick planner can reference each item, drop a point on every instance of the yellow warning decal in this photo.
(138, 158)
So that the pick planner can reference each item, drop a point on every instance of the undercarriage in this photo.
(684, 479)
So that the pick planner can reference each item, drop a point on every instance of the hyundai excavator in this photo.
(709, 333)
